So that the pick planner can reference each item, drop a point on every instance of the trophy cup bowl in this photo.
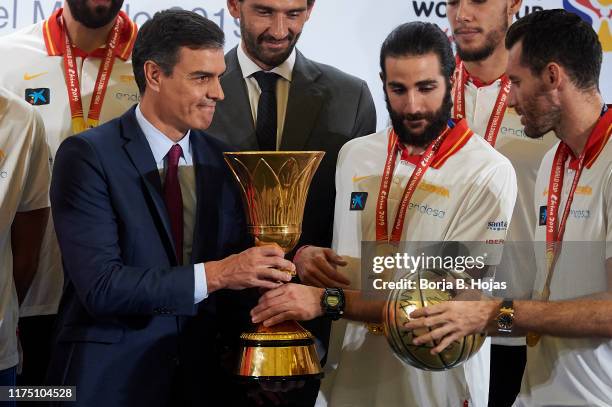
(399, 305)
(274, 186)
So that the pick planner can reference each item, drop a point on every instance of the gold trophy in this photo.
(274, 188)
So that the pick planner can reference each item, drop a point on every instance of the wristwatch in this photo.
(332, 303)
(505, 318)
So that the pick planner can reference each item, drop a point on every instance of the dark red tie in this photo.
(173, 199)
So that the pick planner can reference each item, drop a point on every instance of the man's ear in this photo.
(233, 6)
(513, 7)
(553, 76)
(153, 75)
(309, 8)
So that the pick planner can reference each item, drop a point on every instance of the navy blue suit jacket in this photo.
(127, 322)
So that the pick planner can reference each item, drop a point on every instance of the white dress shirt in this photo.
(284, 70)
(160, 146)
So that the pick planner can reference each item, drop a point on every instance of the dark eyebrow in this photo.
(393, 83)
(263, 8)
(427, 82)
(271, 9)
(195, 74)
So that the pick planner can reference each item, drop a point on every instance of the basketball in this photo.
(399, 305)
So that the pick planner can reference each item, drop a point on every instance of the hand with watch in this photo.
(298, 302)
(452, 320)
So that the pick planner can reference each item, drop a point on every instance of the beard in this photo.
(437, 122)
(94, 17)
(255, 48)
(537, 124)
(540, 112)
(492, 41)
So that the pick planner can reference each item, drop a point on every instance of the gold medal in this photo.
(533, 338)
(376, 329)
(385, 249)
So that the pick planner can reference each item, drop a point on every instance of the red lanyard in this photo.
(73, 85)
(382, 234)
(555, 229)
(461, 78)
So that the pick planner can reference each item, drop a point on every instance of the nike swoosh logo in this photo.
(357, 179)
(27, 77)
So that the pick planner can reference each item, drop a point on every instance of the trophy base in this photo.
(280, 353)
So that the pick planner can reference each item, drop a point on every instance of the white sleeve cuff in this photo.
(201, 288)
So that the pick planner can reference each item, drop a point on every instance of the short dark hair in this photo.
(561, 37)
(419, 38)
(161, 38)
(308, 2)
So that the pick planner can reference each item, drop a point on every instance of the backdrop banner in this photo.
(346, 34)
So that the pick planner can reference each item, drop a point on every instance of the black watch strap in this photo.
(333, 302)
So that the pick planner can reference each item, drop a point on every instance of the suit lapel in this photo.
(141, 156)
(306, 97)
(207, 192)
(237, 114)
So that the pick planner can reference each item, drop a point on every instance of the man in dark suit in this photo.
(313, 107)
(277, 99)
(147, 217)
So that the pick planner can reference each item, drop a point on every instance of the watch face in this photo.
(505, 321)
(332, 301)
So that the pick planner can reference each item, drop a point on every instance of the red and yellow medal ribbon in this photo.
(73, 84)
(555, 227)
(461, 78)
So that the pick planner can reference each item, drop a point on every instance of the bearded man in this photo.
(451, 184)
(481, 95)
(278, 99)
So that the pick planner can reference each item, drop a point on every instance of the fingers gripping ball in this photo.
(399, 305)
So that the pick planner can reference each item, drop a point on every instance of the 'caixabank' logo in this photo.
(598, 13)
